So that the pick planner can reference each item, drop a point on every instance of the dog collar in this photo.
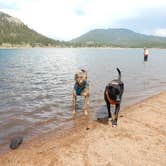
(80, 89)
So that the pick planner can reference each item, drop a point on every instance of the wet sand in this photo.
(139, 140)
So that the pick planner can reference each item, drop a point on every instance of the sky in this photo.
(68, 19)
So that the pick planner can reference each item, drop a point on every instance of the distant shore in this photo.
(26, 47)
(78, 47)
(138, 140)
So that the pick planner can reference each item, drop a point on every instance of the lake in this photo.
(36, 84)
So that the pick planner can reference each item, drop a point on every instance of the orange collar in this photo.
(109, 99)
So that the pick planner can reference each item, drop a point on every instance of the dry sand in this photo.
(139, 140)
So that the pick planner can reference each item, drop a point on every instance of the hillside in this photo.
(13, 32)
(118, 38)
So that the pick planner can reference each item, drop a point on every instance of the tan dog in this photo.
(81, 88)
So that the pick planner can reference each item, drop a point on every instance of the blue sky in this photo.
(67, 19)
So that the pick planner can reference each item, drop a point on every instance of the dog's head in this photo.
(81, 77)
(116, 90)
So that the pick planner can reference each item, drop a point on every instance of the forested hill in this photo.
(118, 38)
(13, 32)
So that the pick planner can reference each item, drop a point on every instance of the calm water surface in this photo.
(36, 84)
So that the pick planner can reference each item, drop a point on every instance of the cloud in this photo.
(148, 21)
(67, 19)
(160, 32)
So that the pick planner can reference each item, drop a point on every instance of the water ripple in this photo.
(36, 84)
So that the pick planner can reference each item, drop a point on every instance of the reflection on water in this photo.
(36, 84)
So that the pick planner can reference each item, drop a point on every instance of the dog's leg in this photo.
(74, 102)
(109, 110)
(117, 108)
(86, 104)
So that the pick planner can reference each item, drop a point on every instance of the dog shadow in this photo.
(103, 120)
(102, 115)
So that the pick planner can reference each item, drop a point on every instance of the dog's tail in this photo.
(119, 72)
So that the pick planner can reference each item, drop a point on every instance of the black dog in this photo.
(113, 95)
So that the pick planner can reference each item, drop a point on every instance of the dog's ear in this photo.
(84, 71)
(75, 76)
(84, 74)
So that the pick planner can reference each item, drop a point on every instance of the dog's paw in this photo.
(110, 119)
(86, 112)
(74, 112)
(114, 125)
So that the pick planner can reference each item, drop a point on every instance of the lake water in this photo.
(36, 84)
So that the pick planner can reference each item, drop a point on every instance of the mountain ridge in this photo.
(118, 37)
(14, 32)
(9, 18)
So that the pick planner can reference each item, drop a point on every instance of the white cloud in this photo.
(66, 19)
(160, 32)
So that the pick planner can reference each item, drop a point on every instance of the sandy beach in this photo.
(139, 140)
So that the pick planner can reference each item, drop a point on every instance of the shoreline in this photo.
(80, 47)
(139, 139)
